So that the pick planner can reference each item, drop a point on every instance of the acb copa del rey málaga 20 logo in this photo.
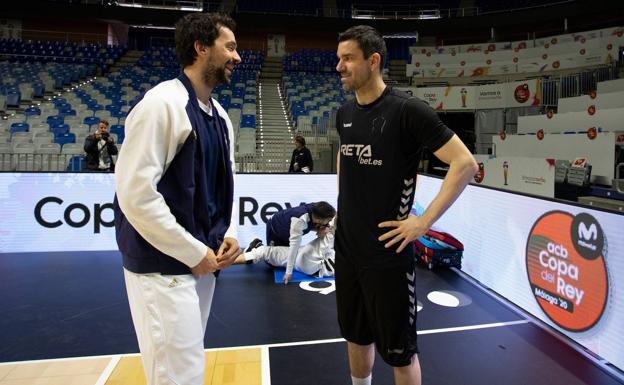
(565, 258)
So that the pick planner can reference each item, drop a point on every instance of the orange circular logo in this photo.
(540, 134)
(592, 133)
(591, 109)
(522, 93)
(556, 64)
(565, 257)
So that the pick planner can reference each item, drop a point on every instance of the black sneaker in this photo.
(254, 244)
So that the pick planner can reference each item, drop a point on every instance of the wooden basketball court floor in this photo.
(65, 320)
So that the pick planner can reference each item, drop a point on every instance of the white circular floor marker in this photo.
(443, 298)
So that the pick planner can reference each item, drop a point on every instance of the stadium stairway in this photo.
(274, 131)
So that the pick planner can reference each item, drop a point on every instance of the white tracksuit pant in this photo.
(170, 313)
(316, 257)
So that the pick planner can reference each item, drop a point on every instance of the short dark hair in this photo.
(369, 40)
(202, 27)
(323, 210)
(300, 139)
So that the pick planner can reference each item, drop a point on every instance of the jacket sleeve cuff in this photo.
(191, 256)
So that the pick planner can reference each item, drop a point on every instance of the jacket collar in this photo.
(189, 88)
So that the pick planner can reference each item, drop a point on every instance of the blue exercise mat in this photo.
(297, 276)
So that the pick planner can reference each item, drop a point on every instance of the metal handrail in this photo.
(37, 162)
(49, 35)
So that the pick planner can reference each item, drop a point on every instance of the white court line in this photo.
(473, 327)
(108, 370)
(298, 343)
(279, 345)
(81, 358)
(421, 332)
(266, 366)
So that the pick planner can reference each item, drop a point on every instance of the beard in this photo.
(214, 75)
(355, 82)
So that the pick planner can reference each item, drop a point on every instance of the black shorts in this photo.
(378, 306)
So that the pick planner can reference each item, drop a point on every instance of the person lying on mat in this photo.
(316, 258)
(287, 227)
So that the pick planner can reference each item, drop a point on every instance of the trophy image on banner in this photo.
(505, 171)
(463, 93)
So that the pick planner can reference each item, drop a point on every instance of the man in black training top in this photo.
(382, 134)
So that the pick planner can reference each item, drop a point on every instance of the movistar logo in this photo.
(589, 234)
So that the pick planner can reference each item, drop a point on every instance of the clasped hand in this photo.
(227, 253)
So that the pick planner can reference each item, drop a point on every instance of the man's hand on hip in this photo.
(406, 231)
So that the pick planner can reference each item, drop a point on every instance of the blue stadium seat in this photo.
(248, 121)
(76, 163)
(32, 111)
(55, 120)
(67, 112)
(59, 129)
(91, 120)
(18, 127)
(13, 98)
(65, 138)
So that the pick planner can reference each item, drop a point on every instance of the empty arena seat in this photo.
(59, 129)
(91, 120)
(561, 170)
(65, 138)
(18, 127)
(76, 163)
(579, 176)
